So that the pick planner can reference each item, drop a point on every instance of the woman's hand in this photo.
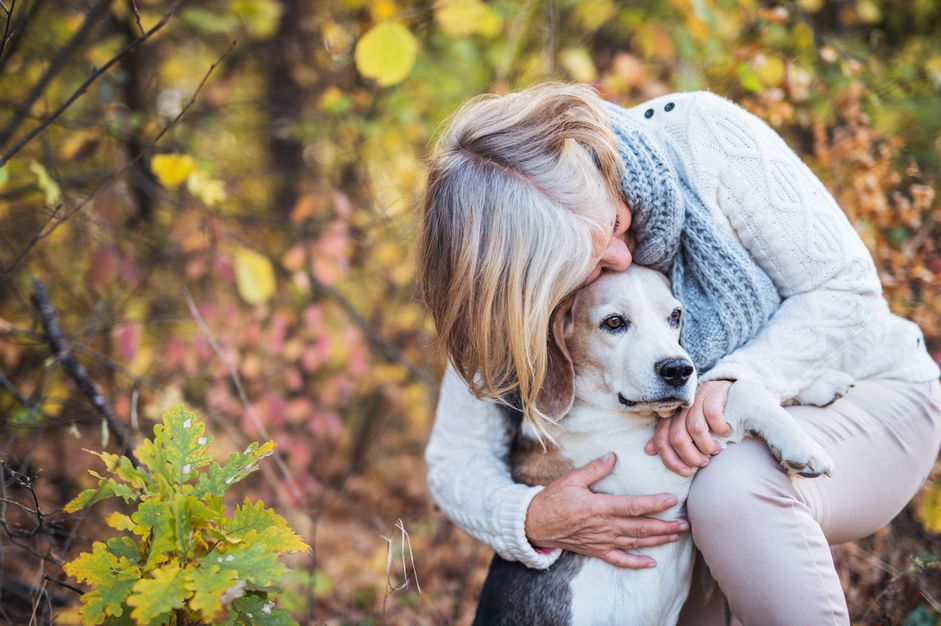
(685, 440)
(568, 515)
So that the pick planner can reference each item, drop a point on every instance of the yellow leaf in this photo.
(119, 521)
(209, 190)
(386, 53)
(930, 510)
(467, 17)
(771, 72)
(254, 276)
(577, 62)
(172, 169)
(383, 10)
(868, 11)
(49, 187)
(78, 144)
(591, 14)
(260, 17)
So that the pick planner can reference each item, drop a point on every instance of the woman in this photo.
(530, 196)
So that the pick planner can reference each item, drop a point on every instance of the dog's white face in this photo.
(622, 333)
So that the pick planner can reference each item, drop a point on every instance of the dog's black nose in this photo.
(674, 372)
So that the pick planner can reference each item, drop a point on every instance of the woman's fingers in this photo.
(646, 527)
(629, 561)
(633, 543)
(591, 473)
(661, 441)
(683, 444)
(712, 407)
(633, 506)
(699, 429)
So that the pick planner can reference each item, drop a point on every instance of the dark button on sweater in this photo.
(669, 106)
(648, 113)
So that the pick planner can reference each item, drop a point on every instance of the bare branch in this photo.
(136, 11)
(76, 371)
(18, 31)
(88, 81)
(143, 151)
(67, 53)
(62, 583)
(6, 27)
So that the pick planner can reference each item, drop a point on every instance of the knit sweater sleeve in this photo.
(469, 476)
(795, 230)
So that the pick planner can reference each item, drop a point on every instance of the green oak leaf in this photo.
(258, 610)
(90, 496)
(125, 547)
(179, 448)
(254, 562)
(154, 519)
(237, 466)
(153, 597)
(111, 578)
(268, 528)
(209, 584)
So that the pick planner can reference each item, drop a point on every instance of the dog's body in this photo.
(616, 368)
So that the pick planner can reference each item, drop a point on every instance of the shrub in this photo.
(184, 560)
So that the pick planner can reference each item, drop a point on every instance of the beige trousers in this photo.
(766, 538)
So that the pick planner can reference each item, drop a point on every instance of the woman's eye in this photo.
(675, 316)
(614, 322)
(617, 223)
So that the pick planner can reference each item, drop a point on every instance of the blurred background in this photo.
(218, 197)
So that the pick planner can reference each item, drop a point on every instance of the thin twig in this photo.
(240, 388)
(88, 81)
(62, 583)
(136, 11)
(42, 591)
(146, 148)
(76, 371)
(406, 543)
(42, 234)
(6, 27)
(65, 54)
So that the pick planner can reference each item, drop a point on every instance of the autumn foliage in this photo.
(217, 198)
(189, 563)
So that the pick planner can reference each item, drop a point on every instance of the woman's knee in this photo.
(738, 481)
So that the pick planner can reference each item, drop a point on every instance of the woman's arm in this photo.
(470, 480)
(469, 477)
(795, 230)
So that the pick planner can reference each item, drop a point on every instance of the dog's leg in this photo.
(826, 389)
(752, 410)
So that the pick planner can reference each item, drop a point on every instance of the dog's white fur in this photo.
(618, 398)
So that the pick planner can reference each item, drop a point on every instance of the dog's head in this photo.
(615, 344)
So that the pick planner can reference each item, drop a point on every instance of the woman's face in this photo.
(613, 254)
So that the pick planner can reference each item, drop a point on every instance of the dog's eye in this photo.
(676, 316)
(614, 322)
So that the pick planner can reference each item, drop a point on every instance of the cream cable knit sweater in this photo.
(832, 316)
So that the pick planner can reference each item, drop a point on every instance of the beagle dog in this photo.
(616, 367)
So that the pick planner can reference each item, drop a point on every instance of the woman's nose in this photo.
(617, 256)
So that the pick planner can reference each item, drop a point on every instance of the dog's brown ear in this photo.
(557, 393)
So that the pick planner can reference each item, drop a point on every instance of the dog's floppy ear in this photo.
(557, 393)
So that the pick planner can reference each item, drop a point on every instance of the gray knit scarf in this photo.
(727, 297)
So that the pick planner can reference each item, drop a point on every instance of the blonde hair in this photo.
(504, 235)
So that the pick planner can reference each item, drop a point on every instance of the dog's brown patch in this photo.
(531, 465)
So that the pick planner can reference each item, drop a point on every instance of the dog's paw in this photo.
(829, 387)
(802, 456)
